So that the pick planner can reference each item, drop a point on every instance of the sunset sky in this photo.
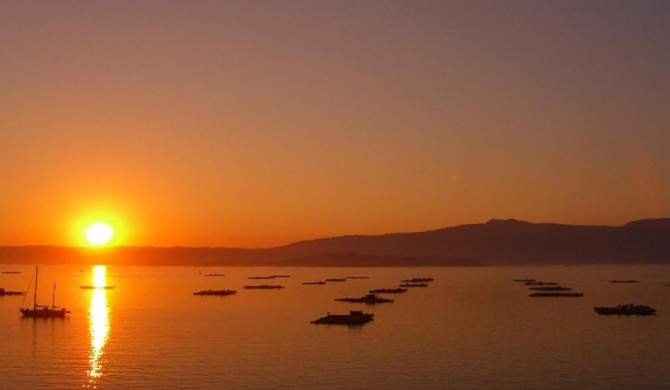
(260, 123)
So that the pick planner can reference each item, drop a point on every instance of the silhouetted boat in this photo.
(11, 272)
(336, 280)
(215, 275)
(96, 287)
(215, 292)
(368, 299)
(536, 283)
(281, 276)
(625, 281)
(319, 282)
(414, 285)
(264, 287)
(261, 277)
(417, 280)
(556, 294)
(628, 310)
(357, 277)
(355, 317)
(4, 292)
(550, 288)
(388, 291)
(524, 280)
(43, 311)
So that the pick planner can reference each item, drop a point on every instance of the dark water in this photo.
(472, 328)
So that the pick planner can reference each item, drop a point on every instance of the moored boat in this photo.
(625, 281)
(368, 299)
(417, 280)
(44, 311)
(414, 285)
(263, 287)
(216, 292)
(355, 317)
(336, 280)
(550, 288)
(4, 292)
(538, 283)
(556, 294)
(319, 282)
(388, 291)
(628, 310)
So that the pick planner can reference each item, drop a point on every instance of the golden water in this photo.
(472, 328)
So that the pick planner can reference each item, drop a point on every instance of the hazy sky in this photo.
(259, 123)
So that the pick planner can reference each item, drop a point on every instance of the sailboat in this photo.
(43, 310)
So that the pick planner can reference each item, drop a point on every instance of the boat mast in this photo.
(35, 294)
(53, 297)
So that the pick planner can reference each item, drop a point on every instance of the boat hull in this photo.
(626, 310)
(352, 319)
(216, 292)
(556, 295)
(44, 313)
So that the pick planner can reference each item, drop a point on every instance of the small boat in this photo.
(4, 292)
(368, 299)
(215, 275)
(550, 288)
(625, 281)
(414, 285)
(261, 277)
(357, 277)
(11, 272)
(319, 282)
(355, 317)
(524, 280)
(556, 294)
(628, 310)
(536, 283)
(44, 311)
(281, 276)
(216, 292)
(89, 287)
(417, 280)
(336, 280)
(388, 291)
(263, 287)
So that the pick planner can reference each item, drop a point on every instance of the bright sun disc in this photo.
(99, 233)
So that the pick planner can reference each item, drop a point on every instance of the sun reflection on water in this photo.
(99, 324)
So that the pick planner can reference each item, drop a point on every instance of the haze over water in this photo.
(471, 328)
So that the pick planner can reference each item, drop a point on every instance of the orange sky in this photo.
(256, 124)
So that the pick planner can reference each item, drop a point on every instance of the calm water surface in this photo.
(473, 328)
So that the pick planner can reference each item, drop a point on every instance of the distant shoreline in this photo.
(496, 242)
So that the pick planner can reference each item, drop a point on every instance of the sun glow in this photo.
(99, 233)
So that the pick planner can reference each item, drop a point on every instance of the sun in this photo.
(99, 233)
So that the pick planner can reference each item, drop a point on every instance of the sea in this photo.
(471, 328)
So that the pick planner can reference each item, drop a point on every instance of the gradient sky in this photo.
(259, 123)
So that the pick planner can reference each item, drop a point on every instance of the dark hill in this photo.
(506, 242)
